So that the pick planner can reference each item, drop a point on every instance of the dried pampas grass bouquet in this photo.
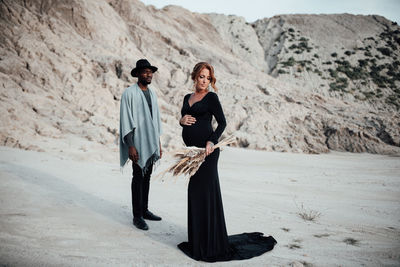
(189, 159)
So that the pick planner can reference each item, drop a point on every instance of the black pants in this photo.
(140, 190)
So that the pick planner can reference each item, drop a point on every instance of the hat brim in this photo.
(135, 71)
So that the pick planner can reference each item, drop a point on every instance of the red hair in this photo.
(199, 67)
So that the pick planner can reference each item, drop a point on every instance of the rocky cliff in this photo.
(299, 83)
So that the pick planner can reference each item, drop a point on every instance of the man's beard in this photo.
(145, 81)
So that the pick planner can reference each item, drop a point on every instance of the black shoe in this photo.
(150, 216)
(140, 223)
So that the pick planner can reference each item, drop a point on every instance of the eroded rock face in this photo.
(65, 64)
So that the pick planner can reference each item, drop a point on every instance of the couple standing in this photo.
(140, 130)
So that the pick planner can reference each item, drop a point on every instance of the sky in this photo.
(253, 10)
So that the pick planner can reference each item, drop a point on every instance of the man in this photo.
(140, 130)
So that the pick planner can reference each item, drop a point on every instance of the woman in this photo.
(207, 235)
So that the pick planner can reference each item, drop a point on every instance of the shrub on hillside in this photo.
(385, 51)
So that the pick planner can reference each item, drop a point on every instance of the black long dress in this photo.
(207, 235)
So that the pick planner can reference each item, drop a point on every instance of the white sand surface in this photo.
(57, 210)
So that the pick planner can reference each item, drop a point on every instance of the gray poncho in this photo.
(135, 115)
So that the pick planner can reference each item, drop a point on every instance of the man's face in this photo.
(145, 76)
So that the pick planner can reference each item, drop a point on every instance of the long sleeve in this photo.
(183, 109)
(218, 113)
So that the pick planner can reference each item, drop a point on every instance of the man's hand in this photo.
(160, 151)
(133, 154)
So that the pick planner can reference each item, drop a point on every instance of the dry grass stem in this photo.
(189, 159)
(294, 246)
(351, 241)
(321, 235)
(308, 215)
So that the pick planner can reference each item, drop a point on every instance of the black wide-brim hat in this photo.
(142, 64)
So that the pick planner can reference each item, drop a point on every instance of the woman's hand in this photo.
(209, 148)
(187, 120)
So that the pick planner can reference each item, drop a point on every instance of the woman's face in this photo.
(203, 80)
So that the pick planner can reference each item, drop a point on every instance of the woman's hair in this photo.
(199, 67)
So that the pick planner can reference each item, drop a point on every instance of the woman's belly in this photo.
(197, 134)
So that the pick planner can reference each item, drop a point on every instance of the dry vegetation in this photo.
(308, 214)
(191, 158)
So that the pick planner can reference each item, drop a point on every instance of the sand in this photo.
(58, 210)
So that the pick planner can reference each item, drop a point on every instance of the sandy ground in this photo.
(57, 210)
